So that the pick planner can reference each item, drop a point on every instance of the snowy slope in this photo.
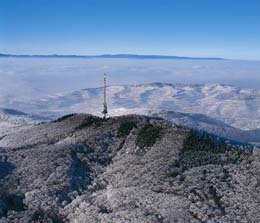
(221, 109)
(83, 169)
(234, 106)
(211, 125)
(46, 86)
(11, 120)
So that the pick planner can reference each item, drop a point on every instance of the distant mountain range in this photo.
(222, 110)
(113, 56)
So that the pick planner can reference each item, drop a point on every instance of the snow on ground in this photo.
(12, 120)
(237, 107)
(50, 87)
(34, 77)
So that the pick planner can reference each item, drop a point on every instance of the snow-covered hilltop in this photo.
(224, 110)
(237, 107)
(81, 168)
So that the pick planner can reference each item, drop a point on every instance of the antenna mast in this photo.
(104, 112)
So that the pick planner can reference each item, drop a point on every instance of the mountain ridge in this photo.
(86, 169)
(222, 109)
(112, 56)
(13, 120)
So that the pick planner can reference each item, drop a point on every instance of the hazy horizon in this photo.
(41, 76)
(224, 28)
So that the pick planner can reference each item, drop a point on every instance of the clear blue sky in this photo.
(202, 28)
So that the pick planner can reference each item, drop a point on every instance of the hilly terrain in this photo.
(80, 168)
(12, 120)
(223, 110)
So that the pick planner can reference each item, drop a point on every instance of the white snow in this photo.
(12, 120)
(50, 87)
(237, 107)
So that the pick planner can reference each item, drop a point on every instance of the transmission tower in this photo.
(104, 112)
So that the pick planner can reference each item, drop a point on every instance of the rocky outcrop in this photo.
(81, 168)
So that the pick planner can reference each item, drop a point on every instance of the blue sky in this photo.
(199, 28)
